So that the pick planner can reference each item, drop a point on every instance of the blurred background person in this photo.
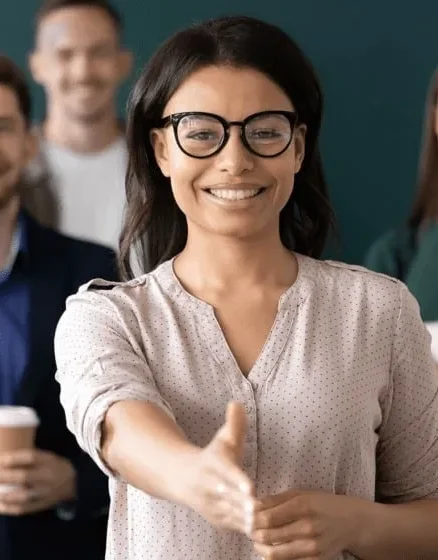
(77, 179)
(410, 252)
(60, 508)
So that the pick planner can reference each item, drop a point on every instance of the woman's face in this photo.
(235, 192)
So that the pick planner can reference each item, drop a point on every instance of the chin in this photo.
(238, 233)
(87, 115)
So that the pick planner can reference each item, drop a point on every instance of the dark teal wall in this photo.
(374, 59)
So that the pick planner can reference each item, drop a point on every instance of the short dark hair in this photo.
(11, 76)
(50, 6)
(154, 224)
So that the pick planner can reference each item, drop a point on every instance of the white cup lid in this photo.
(18, 416)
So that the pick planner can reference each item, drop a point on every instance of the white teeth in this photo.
(234, 194)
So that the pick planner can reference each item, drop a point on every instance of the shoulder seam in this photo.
(359, 268)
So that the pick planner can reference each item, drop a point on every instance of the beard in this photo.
(84, 114)
(9, 184)
(7, 193)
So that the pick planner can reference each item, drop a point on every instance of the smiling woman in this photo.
(202, 83)
(228, 202)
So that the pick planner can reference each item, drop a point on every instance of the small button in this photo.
(249, 408)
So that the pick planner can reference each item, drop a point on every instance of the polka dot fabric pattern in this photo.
(342, 399)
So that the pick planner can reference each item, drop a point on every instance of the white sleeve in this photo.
(99, 362)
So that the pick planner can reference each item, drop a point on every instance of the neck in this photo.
(8, 222)
(219, 264)
(80, 136)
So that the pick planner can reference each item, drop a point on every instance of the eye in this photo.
(202, 135)
(102, 51)
(6, 125)
(64, 55)
(265, 133)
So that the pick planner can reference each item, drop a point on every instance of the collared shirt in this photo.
(14, 316)
(343, 397)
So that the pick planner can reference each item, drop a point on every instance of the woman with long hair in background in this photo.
(410, 252)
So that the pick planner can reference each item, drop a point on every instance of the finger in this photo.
(233, 432)
(231, 518)
(228, 493)
(297, 550)
(23, 502)
(225, 470)
(276, 499)
(19, 458)
(283, 514)
(21, 496)
(30, 476)
(219, 494)
(303, 529)
(18, 476)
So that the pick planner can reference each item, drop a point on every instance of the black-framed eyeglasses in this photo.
(201, 135)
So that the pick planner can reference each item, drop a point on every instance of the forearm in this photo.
(146, 448)
(397, 532)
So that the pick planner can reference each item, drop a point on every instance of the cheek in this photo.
(57, 77)
(283, 170)
(182, 168)
(185, 173)
(10, 149)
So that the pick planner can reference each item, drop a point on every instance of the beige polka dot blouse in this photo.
(343, 397)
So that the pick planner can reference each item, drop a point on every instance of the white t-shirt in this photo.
(432, 327)
(80, 195)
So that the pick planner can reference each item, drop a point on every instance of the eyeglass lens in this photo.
(202, 135)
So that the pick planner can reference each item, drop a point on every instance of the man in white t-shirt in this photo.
(78, 178)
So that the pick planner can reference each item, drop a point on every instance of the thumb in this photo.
(233, 432)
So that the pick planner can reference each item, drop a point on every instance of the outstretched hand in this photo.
(218, 488)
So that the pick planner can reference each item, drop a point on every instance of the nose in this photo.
(234, 158)
(81, 67)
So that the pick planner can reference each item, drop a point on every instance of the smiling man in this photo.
(58, 510)
(78, 176)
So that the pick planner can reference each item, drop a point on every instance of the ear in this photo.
(300, 146)
(125, 62)
(161, 151)
(36, 67)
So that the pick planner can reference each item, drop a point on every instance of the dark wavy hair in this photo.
(11, 76)
(425, 206)
(154, 225)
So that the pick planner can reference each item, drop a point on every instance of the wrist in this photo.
(368, 518)
(69, 488)
(184, 475)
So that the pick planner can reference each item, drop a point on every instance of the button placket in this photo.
(250, 459)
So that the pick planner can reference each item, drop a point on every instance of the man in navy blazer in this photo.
(58, 511)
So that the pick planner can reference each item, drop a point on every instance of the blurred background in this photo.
(374, 60)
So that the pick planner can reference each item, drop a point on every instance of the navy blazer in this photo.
(56, 267)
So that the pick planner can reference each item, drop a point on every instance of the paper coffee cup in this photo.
(18, 426)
